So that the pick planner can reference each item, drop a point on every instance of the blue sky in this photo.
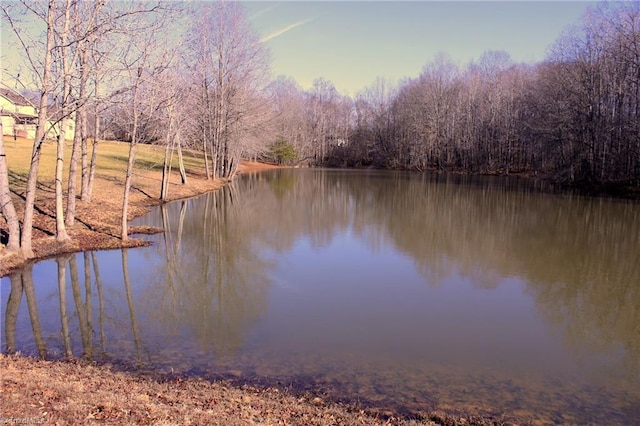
(351, 43)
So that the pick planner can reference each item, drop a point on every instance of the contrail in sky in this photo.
(263, 11)
(284, 30)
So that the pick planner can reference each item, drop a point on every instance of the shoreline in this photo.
(77, 391)
(97, 230)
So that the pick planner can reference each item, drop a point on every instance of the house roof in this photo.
(23, 117)
(14, 97)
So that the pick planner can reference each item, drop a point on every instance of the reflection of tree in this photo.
(64, 319)
(132, 314)
(578, 255)
(29, 292)
(88, 307)
(81, 309)
(11, 312)
(101, 313)
(213, 282)
(22, 282)
(593, 292)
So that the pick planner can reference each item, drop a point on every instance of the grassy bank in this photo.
(98, 222)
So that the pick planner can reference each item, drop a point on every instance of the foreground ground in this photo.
(75, 392)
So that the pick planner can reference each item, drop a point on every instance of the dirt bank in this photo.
(98, 223)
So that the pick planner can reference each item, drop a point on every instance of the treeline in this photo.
(574, 117)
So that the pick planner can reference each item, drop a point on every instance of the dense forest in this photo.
(573, 118)
(197, 76)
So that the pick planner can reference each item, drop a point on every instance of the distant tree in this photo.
(282, 152)
(286, 99)
(143, 64)
(172, 125)
(230, 66)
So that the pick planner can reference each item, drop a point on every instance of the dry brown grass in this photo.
(77, 393)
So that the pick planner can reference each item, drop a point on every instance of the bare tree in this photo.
(287, 102)
(8, 209)
(66, 66)
(137, 79)
(143, 63)
(231, 67)
(99, 71)
(171, 122)
(41, 131)
(85, 33)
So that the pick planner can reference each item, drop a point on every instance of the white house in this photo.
(20, 117)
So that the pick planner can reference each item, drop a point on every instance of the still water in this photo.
(401, 292)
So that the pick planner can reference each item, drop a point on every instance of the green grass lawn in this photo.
(111, 160)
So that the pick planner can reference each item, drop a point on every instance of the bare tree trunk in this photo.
(214, 162)
(84, 153)
(127, 182)
(166, 163)
(32, 306)
(8, 209)
(127, 186)
(32, 179)
(206, 125)
(164, 186)
(79, 142)
(86, 194)
(183, 173)
(61, 232)
(205, 155)
(73, 171)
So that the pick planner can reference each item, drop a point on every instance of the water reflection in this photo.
(407, 291)
(62, 264)
(213, 282)
(22, 283)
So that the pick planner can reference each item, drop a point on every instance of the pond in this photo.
(402, 292)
